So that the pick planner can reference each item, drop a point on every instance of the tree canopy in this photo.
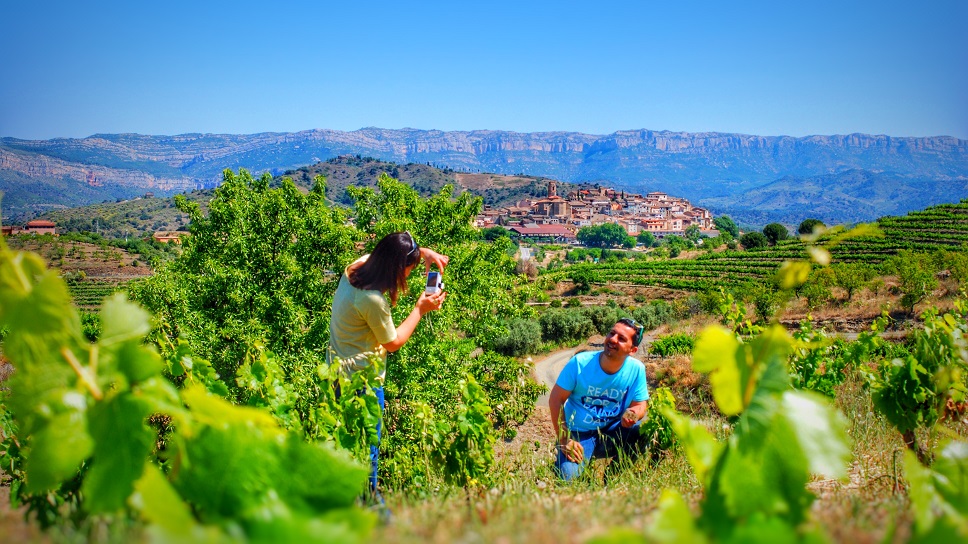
(605, 235)
(725, 224)
(775, 232)
(808, 225)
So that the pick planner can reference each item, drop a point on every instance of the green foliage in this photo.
(523, 337)
(603, 236)
(693, 233)
(583, 279)
(939, 495)
(724, 223)
(913, 391)
(493, 233)
(775, 232)
(818, 363)
(808, 226)
(647, 239)
(852, 276)
(672, 344)
(560, 325)
(753, 240)
(754, 483)
(915, 274)
(81, 411)
(657, 427)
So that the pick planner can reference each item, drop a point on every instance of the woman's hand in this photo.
(432, 257)
(428, 303)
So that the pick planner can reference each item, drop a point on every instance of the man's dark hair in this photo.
(639, 329)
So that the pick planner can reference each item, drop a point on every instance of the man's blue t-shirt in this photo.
(598, 399)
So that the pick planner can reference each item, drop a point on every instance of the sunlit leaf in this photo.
(793, 274)
(122, 320)
(673, 522)
(819, 255)
(57, 451)
(122, 445)
(821, 431)
(715, 353)
(702, 448)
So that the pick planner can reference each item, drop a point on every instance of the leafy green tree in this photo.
(647, 239)
(693, 233)
(582, 277)
(725, 224)
(753, 239)
(852, 276)
(775, 232)
(493, 233)
(256, 269)
(915, 275)
(808, 225)
(605, 235)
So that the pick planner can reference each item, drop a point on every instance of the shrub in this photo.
(673, 344)
(752, 240)
(523, 337)
(654, 314)
(559, 325)
(602, 317)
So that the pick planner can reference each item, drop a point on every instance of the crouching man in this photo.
(599, 401)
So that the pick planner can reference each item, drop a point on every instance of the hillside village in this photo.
(559, 218)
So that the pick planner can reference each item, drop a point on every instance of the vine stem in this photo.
(81, 373)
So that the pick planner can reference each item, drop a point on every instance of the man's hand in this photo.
(630, 418)
(432, 257)
(573, 450)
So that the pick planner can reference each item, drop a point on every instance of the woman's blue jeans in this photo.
(375, 450)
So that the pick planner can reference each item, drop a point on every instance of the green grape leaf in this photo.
(821, 432)
(122, 320)
(921, 491)
(760, 530)
(276, 522)
(169, 517)
(138, 362)
(57, 451)
(320, 475)
(702, 448)
(122, 445)
(951, 467)
(673, 522)
(40, 308)
(715, 353)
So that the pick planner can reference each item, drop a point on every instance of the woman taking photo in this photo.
(361, 330)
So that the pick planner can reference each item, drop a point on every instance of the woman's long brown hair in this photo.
(385, 270)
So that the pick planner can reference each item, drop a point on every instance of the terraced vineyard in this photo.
(938, 227)
(90, 293)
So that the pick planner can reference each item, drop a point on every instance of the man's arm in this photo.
(636, 411)
(572, 448)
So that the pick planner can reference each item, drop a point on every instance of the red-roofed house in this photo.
(39, 226)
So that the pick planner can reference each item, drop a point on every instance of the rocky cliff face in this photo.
(693, 165)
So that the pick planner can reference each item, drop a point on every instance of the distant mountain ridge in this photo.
(703, 167)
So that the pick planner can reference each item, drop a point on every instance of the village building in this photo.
(167, 237)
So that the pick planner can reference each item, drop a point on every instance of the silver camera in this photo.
(435, 283)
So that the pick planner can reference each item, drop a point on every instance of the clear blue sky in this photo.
(72, 69)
